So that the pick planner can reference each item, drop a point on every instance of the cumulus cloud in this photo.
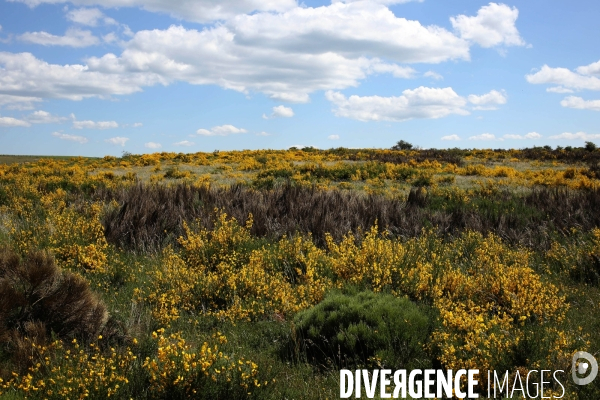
(576, 136)
(530, 135)
(386, 2)
(565, 79)
(73, 138)
(137, 125)
(558, 89)
(117, 141)
(286, 55)
(493, 25)
(362, 28)
(487, 101)
(11, 122)
(280, 111)
(397, 71)
(533, 135)
(422, 102)
(484, 136)
(18, 102)
(73, 38)
(578, 102)
(95, 124)
(333, 137)
(433, 75)
(89, 17)
(26, 78)
(152, 145)
(191, 10)
(223, 130)
(44, 117)
(185, 143)
(591, 69)
(451, 137)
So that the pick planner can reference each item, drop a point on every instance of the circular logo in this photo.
(580, 367)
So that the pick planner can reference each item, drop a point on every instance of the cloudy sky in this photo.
(91, 77)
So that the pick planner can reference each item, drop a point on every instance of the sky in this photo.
(95, 78)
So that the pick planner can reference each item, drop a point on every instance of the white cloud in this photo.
(578, 102)
(487, 101)
(191, 10)
(280, 111)
(533, 135)
(152, 145)
(564, 78)
(451, 137)
(433, 75)
(73, 38)
(484, 136)
(73, 138)
(386, 2)
(397, 71)
(18, 102)
(110, 38)
(12, 122)
(530, 135)
(576, 136)
(362, 28)
(494, 25)
(89, 17)
(333, 137)
(185, 143)
(137, 125)
(263, 133)
(44, 117)
(591, 69)
(289, 55)
(118, 140)
(25, 78)
(222, 130)
(558, 89)
(95, 124)
(286, 55)
(422, 102)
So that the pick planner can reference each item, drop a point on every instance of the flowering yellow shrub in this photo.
(77, 237)
(179, 368)
(72, 372)
(576, 258)
(172, 286)
(486, 292)
(375, 261)
(485, 305)
(218, 276)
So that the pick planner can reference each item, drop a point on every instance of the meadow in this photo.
(259, 274)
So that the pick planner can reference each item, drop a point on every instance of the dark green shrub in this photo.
(402, 145)
(590, 146)
(363, 329)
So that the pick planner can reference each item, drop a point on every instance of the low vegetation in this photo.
(259, 274)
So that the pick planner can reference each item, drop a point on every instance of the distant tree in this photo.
(402, 145)
(590, 146)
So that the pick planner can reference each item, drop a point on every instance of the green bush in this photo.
(363, 329)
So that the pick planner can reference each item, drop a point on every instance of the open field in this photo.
(259, 274)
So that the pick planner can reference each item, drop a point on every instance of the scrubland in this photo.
(259, 274)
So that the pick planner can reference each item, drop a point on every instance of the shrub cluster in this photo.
(364, 329)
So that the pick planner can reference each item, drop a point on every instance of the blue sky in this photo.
(91, 78)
